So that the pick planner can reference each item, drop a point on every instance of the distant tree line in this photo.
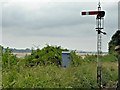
(27, 50)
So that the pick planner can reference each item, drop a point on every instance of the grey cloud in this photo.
(55, 15)
(50, 16)
(56, 21)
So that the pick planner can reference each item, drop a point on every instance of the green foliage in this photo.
(103, 58)
(8, 59)
(114, 42)
(45, 72)
(1, 49)
(76, 60)
(47, 55)
(51, 76)
(109, 75)
(109, 57)
(90, 58)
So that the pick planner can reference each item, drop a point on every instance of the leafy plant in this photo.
(40, 70)
(115, 40)
(45, 56)
(8, 59)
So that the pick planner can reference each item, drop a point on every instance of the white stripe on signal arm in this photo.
(87, 13)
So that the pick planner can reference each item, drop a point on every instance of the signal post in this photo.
(99, 26)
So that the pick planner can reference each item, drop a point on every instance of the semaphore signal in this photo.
(98, 13)
(99, 26)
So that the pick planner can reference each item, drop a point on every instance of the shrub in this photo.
(47, 55)
(8, 59)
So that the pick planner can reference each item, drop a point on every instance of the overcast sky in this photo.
(26, 23)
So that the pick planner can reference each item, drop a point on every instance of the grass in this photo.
(51, 76)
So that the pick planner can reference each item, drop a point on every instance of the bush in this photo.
(109, 57)
(47, 55)
(109, 75)
(8, 59)
(90, 58)
(76, 60)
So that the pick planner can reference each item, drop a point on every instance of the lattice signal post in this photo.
(99, 26)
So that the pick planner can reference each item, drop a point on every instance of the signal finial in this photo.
(99, 7)
(99, 3)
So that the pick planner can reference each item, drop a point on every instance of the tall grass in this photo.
(51, 76)
(42, 70)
